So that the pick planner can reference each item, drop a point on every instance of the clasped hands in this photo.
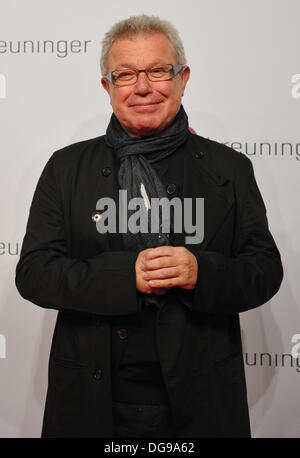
(158, 269)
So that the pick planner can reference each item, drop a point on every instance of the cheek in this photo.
(164, 89)
(177, 91)
(172, 93)
(119, 98)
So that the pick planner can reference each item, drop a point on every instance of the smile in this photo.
(144, 104)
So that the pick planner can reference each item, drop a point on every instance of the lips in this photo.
(144, 104)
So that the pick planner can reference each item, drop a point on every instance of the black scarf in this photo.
(136, 156)
(138, 177)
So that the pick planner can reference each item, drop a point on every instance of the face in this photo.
(146, 107)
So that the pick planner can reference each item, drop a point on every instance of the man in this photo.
(147, 341)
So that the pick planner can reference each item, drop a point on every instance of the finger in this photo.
(165, 250)
(166, 283)
(169, 272)
(159, 263)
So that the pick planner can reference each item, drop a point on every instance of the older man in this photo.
(147, 341)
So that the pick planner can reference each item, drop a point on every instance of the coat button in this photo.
(96, 216)
(199, 155)
(171, 189)
(122, 333)
(106, 171)
(97, 374)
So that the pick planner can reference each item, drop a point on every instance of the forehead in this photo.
(141, 51)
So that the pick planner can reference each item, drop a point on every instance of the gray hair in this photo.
(141, 25)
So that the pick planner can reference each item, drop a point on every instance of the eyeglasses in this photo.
(128, 76)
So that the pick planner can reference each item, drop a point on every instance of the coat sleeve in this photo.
(253, 274)
(45, 275)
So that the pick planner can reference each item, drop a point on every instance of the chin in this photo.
(145, 129)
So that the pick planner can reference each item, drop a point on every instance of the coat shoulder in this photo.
(222, 158)
(71, 155)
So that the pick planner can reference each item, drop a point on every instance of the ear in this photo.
(185, 74)
(105, 85)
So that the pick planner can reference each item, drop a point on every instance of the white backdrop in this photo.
(244, 90)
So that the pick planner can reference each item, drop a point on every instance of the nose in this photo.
(143, 85)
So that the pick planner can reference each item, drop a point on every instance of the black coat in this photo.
(66, 264)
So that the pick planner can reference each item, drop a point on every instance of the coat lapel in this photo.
(202, 180)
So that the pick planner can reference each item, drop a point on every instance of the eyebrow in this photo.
(126, 65)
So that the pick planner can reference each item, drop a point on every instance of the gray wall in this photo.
(244, 90)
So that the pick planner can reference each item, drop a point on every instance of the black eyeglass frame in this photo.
(175, 70)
